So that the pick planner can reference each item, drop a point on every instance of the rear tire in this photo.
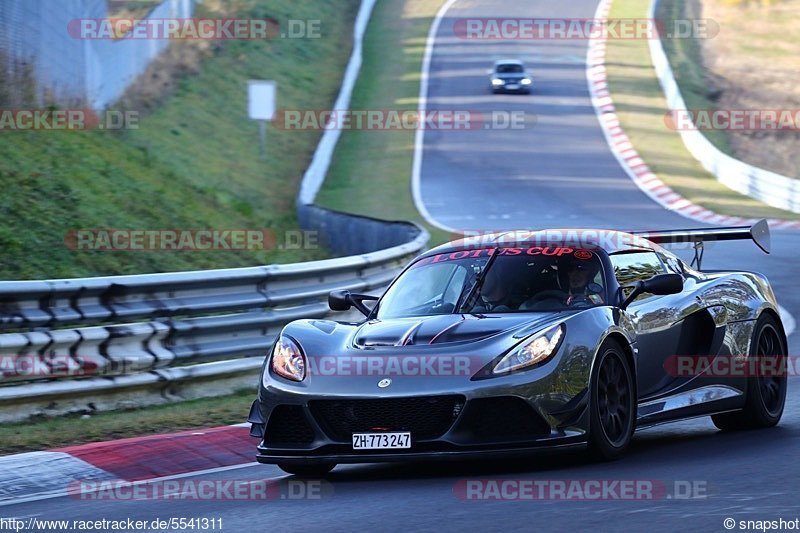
(313, 470)
(612, 405)
(765, 395)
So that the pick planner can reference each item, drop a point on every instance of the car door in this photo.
(657, 320)
(704, 322)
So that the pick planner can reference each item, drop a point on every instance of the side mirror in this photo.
(660, 284)
(663, 284)
(339, 301)
(343, 300)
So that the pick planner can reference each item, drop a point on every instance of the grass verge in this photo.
(68, 430)
(641, 107)
(750, 63)
(193, 162)
(371, 170)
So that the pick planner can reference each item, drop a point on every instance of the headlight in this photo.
(287, 359)
(497, 81)
(533, 351)
(525, 81)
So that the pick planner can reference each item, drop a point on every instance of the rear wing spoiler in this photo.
(758, 233)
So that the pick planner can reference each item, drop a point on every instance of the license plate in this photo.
(513, 86)
(381, 441)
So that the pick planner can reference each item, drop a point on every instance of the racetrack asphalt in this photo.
(556, 173)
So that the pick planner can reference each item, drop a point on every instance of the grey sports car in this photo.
(514, 341)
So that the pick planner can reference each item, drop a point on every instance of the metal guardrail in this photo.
(769, 187)
(84, 336)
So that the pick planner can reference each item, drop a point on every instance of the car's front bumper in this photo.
(486, 421)
(525, 89)
(344, 456)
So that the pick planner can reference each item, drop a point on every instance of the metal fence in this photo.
(43, 63)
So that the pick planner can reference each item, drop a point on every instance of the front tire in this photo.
(765, 395)
(612, 406)
(312, 470)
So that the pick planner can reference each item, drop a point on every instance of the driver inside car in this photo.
(580, 277)
(575, 287)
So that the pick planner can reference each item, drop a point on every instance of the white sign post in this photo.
(261, 97)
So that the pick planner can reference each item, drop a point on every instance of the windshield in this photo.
(509, 68)
(504, 280)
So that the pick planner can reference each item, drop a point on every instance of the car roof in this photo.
(508, 62)
(612, 241)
